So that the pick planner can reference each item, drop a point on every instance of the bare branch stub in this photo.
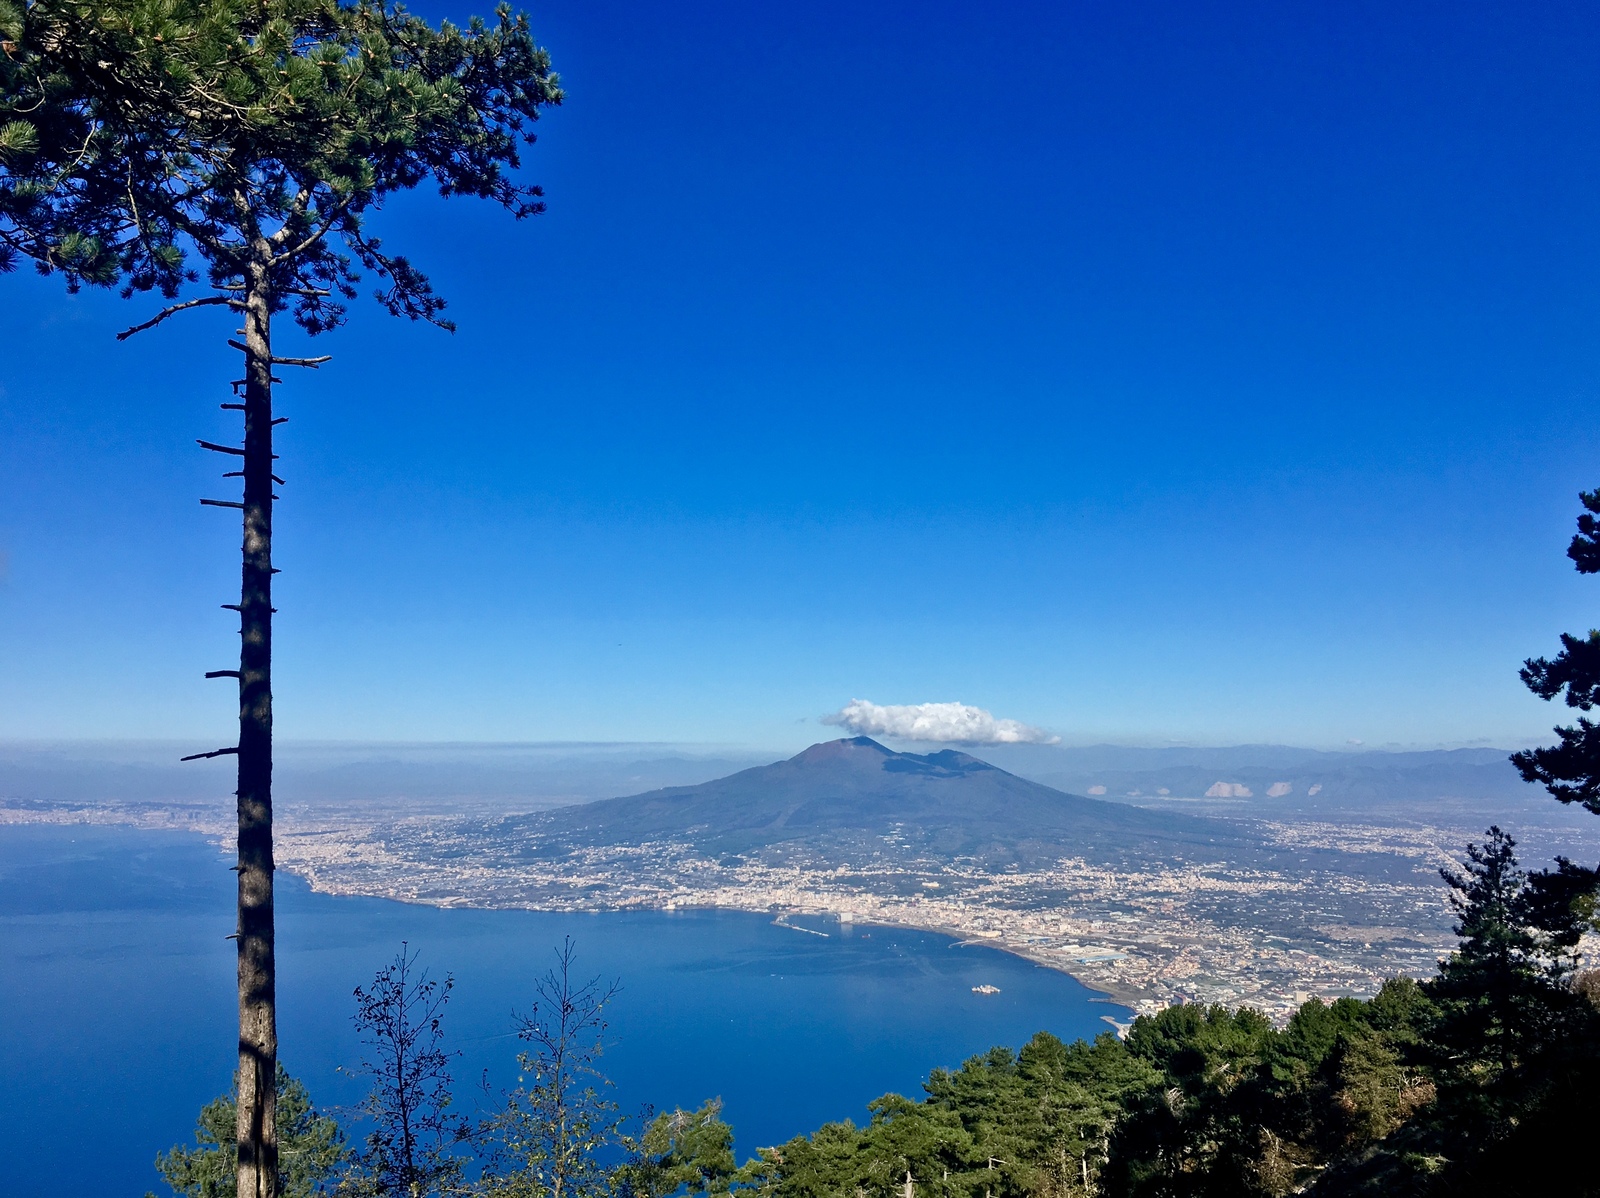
(221, 503)
(228, 752)
(214, 448)
(313, 363)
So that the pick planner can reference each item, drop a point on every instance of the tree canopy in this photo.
(139, 136)
(1570, 770)
(313, 1148)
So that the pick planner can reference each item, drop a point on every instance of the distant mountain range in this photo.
(423, 776)
(1267, 781)
(1270, 781)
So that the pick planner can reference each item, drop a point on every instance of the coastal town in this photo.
(1146, 937)
(1147, 934)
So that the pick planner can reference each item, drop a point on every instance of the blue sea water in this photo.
(117, 1002)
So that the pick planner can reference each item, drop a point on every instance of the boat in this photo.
(986, 989)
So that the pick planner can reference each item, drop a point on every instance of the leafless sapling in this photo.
(415, 1147)
(550, 1137)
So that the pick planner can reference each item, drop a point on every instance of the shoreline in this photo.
(1130, 998)
(1142, 937)
(1133, 999)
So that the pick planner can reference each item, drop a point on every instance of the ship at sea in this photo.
(986, 989)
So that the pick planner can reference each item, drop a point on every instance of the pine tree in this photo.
(1490, 985)
(313, 1148)
(1511, 1044)
(1570, 770)
(679, 1151)
(1563, 900)
(235, 148)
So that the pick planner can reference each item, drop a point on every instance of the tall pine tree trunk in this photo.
(258, 1014)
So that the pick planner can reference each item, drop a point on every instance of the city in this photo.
(1145, 935)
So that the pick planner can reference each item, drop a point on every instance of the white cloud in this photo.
(1228, 790)
(945, 723)
(1096, 790)
(1316, 789)
(1278, 789)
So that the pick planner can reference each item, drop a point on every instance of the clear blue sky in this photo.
(1210, 372)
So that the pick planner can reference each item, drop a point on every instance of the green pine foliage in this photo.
(1005, 1123)
(312, 1149)
(140, 137)
(1570, 770)
(688, 1152)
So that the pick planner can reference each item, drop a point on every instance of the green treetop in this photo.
(252, 137)
(312, 1148)
(1570, 770)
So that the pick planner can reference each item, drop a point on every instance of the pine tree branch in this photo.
(204, 301)
(338, 211)
(297, 211)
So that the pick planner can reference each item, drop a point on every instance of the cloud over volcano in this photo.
(941, 723)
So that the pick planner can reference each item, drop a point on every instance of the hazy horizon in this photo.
(150, 771)
(820, 735)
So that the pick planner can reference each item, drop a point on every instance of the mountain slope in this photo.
(948, 802)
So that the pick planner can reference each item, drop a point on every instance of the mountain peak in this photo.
(865, 754)
(850, 746)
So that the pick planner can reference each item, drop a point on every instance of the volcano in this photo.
(947, 803)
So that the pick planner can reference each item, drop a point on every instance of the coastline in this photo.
(1108, 991)
(716, 1002)
(1128, 997)
(1140, 937)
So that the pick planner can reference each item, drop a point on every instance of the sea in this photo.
(117, 1006)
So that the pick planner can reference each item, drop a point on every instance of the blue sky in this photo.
(1212, 373)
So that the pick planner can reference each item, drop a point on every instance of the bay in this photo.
(117, 1002)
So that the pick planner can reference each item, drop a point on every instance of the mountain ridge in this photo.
(948, 802)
